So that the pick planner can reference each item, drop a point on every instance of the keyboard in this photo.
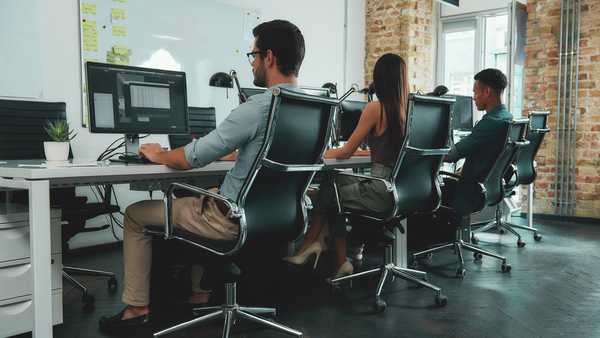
(132, 159)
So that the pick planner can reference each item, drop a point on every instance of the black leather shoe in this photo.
(115, 324)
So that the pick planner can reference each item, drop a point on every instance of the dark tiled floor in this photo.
(552, 291)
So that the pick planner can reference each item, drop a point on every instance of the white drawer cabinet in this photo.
(16, 314)
(16, 279)
(16, 282)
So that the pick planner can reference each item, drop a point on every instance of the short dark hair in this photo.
(285, 41)
(493, 78)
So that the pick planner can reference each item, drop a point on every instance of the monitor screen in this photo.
(134, 100)
(349, 116)
(462, 119)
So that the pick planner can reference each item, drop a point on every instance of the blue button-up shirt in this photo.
(243, 129)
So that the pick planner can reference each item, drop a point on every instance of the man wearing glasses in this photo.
(276, 57)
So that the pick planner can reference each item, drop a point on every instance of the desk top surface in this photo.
(32, 169)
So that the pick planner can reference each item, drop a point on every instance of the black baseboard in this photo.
(570, 219)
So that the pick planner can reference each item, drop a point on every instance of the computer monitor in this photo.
(462, 118)
(135, 100)
(348, 118)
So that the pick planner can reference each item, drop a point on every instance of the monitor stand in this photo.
(132, 148)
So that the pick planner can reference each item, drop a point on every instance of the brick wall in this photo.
(404, 27)
(541, 72)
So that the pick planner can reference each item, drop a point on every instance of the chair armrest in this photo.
(291, 167)
(429, 152)
(233, 207)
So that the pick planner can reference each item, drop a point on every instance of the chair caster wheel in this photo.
(501, 231)
(112, 285)
(520, 243)
(474, 240)
(477, 256)
(461, 272)
(441, 300)
(506, 267)
(379, 305)
(537, 237)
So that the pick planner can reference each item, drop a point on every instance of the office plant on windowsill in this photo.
(57, 150)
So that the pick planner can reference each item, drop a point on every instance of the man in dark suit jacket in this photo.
(476, 148)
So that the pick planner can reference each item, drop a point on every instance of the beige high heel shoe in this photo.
(344, 270)
(300, 259)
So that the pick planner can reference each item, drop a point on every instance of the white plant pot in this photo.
(56, 151)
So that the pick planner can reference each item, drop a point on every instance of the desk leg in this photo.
(400, 250)
(530, 206)
(39, 227)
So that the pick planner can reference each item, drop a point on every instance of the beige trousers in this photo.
(198, 215)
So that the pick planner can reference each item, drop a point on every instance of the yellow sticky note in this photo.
(88, 8)
(120, 50)
(121, 1)
(90, 36)
(119, 31)
(118, 14)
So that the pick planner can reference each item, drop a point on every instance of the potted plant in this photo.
(57, 150)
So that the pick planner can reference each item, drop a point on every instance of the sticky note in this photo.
(90, 36)
(121, 1)
(118, 14)
(121, 50)
(87, 8)
(119, 31)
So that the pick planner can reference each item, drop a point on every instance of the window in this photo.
(458, 47)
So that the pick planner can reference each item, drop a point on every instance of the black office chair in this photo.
(413, 184)
(201, 121)
(271, 208)
(522, 173)
(465, 195)
(22, 136)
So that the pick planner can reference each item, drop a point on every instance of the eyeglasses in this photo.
(252, 56)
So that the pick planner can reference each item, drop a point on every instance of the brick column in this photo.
(404, 27)
(541, 72)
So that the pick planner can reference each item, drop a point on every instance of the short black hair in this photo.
(493, 78)
(285, 41)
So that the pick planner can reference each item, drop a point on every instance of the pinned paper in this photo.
(118, 54)
(88, 8)
(119, 31)
(118, 14)
(90, 36)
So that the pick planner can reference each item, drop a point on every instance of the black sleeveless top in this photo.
(382, 150)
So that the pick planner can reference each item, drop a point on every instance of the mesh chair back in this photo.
(201, 121)
(414, 176)
(22, 133)
(273, 195)
(538, 127)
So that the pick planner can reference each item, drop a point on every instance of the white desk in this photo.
(38, 182)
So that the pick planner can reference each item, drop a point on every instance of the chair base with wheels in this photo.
(231, 311)
(503, 227)
(458, 245)
(87, 298)
(389, 268)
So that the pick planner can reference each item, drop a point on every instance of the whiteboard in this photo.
(197, 37)
(20, 63)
